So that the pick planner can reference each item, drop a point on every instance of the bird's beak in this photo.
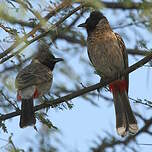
(58, 60)
(82, 25)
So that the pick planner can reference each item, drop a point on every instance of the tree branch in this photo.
(114, 142)
(138, 52)
(130, 5)
(82, 91)
(82, 42)
(37, 27)
(37, 37)
(112, 5)
(130, 51)
(127, 5)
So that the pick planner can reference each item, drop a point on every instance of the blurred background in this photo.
(85, 123)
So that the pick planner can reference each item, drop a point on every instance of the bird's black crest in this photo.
(93, 20)
(45, 57)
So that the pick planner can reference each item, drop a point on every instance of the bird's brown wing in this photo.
(90, 59)
(91, 47)
(33, 74)
(124, 53)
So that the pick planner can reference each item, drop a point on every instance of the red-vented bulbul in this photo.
(34, 81)
(108, 55)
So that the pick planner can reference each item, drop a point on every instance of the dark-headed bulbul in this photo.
(34, 81)
(108, 55)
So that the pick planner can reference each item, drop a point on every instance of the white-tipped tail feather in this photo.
(125, 119)
(122, 131)
(133, 128)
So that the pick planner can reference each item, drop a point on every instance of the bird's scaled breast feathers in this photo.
(105, 52)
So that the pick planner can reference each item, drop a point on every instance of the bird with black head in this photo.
(108, 55)
(33, 81)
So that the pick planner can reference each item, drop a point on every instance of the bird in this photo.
(33, 81)
(107, 53)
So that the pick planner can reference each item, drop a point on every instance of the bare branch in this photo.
(69, 39)
(82, 91)
(129, 5)
(82, 42)
(138, 52)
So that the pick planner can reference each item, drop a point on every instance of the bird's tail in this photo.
(125, 119)
(27, 113)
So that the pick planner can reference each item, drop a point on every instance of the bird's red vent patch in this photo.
(18, 96)
(118, 85)
(36, 94)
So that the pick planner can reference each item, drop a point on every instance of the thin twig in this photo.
(37, 27)
(9, 101)
(129, 24)
(128, 5)
(41, 35)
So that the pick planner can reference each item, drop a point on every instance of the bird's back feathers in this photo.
(33, 74)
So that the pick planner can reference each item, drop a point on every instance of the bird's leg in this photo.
(83, 85)
(45, 99)
(98, 90)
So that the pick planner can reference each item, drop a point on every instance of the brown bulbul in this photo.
(108, 55)
(34, 81)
